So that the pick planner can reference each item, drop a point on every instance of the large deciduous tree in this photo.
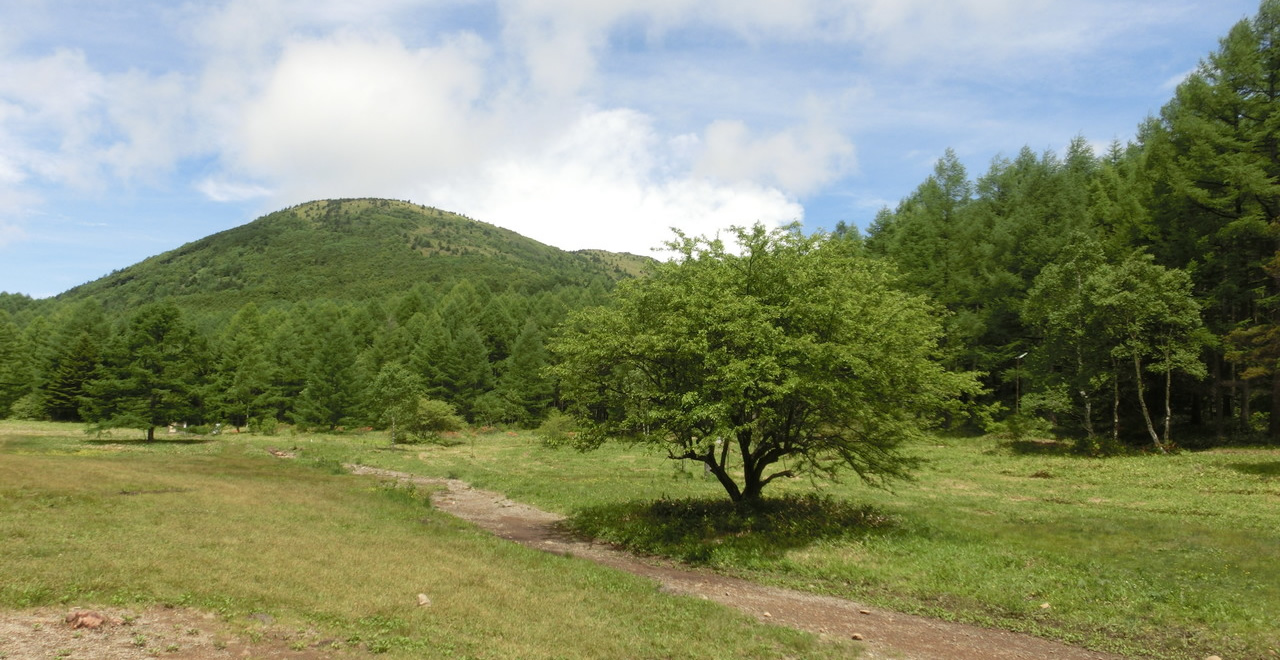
(784, 354)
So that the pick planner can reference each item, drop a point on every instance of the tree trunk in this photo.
(1088, 414)
(1168, 411)
(151, 434)
(1115, 402)
(1142, 403)
(1273, 425)
(730, 487)
(751, 470)
(1219, 401)
(717, 467)
(1246, 405)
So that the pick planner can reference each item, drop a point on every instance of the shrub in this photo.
(556, 430)
(432, 418)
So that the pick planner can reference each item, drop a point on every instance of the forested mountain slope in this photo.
(313, 315)
(348, 250)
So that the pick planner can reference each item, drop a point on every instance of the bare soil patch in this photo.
(127, 634)
(882, 634)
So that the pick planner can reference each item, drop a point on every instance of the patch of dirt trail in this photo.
(127, 634)
(883, 634)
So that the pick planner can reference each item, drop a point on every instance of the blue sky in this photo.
(128, 127)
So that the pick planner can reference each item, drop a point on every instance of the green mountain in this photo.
(349, 250)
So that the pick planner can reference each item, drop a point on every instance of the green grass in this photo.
(218, 524)
(1148, 556)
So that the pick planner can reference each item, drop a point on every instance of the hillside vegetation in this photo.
(348, 250)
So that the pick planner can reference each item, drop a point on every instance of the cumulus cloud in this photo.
(513, 118)
(349, 115)
(608, 182)
(797, 159)
(359, 115)
(68, 123)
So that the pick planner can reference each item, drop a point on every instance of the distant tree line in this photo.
(321, 365)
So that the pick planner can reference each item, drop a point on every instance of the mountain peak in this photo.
(350, 249)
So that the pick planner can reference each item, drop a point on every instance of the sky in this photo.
(131, 127)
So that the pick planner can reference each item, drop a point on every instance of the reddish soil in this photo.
(883, 634)
(124, 634)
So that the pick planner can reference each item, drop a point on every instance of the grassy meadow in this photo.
(218, 524)
(1144, 555)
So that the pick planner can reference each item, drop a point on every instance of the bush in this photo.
(29, 408)
(264, 425)
(432, 418)
(494, 408)
(556, 430)
(1021, 426)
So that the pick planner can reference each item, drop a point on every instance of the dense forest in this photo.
(1128, 297)
(1124, 295)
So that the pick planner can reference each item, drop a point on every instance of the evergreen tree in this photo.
(1214, 154)
(331, 395)
(67, 387)
(15, 377)
(524, 381)
(289, 347)
(242, 390)
(466, 370)
(150, 373)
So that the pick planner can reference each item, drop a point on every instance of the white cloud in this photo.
(1177, 79)
(354, 115)
(10, 233)
(220, 190)
(798, 159)
(300, 99)
(359, 116)
(64, 122)
(608, 182)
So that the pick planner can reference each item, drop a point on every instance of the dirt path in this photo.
(884, 634)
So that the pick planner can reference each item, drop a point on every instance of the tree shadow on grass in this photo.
(143, 442)
(718, 531)
(1041, 447)
(1263, 469)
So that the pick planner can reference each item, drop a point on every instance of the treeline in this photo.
(319, 365)
(1127, 294)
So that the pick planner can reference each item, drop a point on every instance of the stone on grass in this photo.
(90, 620)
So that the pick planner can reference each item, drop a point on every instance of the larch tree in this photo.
(150, 373)
(1214, 153)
